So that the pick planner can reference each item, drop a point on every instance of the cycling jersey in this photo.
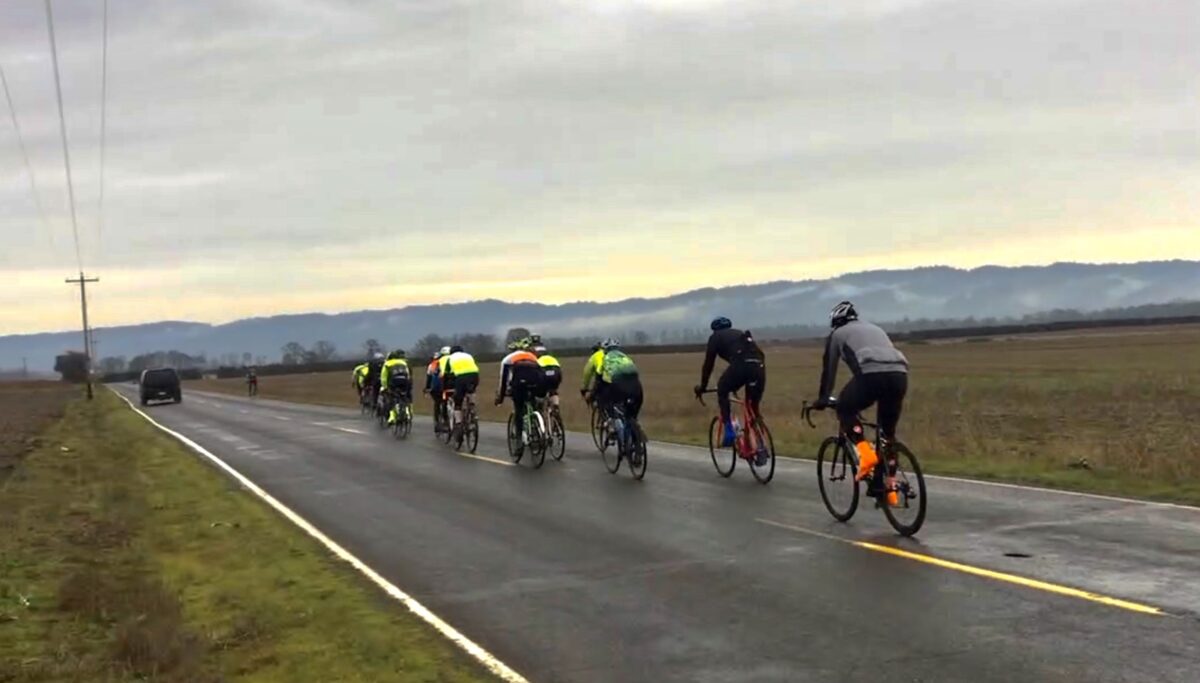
(732, 346)
(431, 376)
(459, 364)
(866, 349)
(548, 361)
(506, 367)
(393, 369)
(593, 368)
(373, 370)
(360, 373)
(616, 364)
(442, 365)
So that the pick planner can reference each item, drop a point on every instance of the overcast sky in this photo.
(269, 156)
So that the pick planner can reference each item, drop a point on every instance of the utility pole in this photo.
(24, 368)
(87, 337)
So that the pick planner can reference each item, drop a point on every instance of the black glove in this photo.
(699, 390)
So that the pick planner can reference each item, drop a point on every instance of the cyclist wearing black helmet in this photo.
(747, 368)
(880, 377)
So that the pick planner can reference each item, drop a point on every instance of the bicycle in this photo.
(630, 440)
(533, 435)
(365, 402)
(556, 431)
(837, 470)
(467, 431)
(752, 441)
(443, 417)
(252, 388)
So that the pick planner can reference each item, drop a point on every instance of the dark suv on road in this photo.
(160, 383)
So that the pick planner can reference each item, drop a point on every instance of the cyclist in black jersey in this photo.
(747, 368)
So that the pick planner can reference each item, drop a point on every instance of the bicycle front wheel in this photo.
(515, 451)
(763, 462)
(907, 514)
(723, 459)
(598, 429)
(835, 476)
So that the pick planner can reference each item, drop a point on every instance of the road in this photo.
(569, 573)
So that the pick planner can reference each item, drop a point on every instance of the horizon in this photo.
(420, 305)
(266, 158)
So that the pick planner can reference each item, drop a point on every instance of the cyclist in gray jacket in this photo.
(880, 377)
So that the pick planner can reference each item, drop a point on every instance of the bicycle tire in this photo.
(558, 437)
(715, 433)
(612, 456)
(640, 459)
(515, 450)
(904, 476)
(598, 429)
(764, 473)
(537, 441)
(837, 467)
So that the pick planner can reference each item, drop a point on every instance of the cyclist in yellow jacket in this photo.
(461, 373)
(396, 382)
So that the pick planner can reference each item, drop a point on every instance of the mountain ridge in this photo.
(885, 295)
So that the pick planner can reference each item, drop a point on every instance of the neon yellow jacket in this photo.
(459, 364)
(548, 361)
(384, 373)
(360, 373)
(593, 368)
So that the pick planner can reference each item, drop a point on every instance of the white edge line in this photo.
(484, 458)
(349, 430)
(481, 655)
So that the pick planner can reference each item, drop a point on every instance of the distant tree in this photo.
(112, 364)
(476, 343)
(323, 351)
(260, 360)
(640, 338)
(72, 365)
(372, 347)
(514, 334)
(247, 357)
(293, 353)
(427, 345)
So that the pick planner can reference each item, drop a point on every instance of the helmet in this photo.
(456, 349)
(524, 343)
(597, 346)
(535, 339)
(399, 353)
(842, 314)
(377, 356)
(437, 355)
(721, 323)
(512, 345)
(445, 351)
(610, 343)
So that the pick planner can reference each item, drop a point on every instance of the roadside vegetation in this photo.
(1108, 411)
(125, 558)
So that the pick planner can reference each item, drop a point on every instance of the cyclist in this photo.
(520, 377)
(880, 377)
(460, 373)
(551, 373)
(371, 379)
(618, 381)
(593, 370)
(396, 382)
(746, 368)
(252, 381)
(357, 375)
(433, 385)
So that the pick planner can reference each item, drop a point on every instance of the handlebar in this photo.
(806, 413)
(700, 396)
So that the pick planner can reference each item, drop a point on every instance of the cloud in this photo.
(465, 149)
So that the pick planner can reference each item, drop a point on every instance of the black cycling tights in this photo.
(884, 388)
(744, 373)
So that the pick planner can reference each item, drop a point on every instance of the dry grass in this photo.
(125, 558)
(27, 408)
(1028, 409)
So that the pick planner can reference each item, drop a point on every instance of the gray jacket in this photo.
(865, 347)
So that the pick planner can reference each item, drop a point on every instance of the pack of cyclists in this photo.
(879, 376)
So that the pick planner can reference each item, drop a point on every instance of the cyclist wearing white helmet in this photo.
(433, 386)
(880, 377)
(617, 380)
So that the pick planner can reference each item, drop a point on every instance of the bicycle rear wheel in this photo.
(908, 514)
(723, 459)
(598, 429)
(612, 456)
(835, 476)
(558, 437)
(764, 472)
(537, 441)
(637, 451)
(515, 449)
(472, 433)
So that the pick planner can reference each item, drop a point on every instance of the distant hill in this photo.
(895, 296)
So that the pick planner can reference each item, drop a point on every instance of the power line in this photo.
(62, 127)
(12, 110)
(103, 124)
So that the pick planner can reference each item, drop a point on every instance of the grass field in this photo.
(124, 558)
(1028, 409)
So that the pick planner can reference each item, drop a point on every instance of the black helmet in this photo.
(597, 346)
(842, 314)
(721, 323)
(399, 353)
(456, 349)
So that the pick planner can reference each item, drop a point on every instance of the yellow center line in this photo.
(979, 571)
(485, 459)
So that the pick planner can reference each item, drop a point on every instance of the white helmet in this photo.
(445, 351)
(842, 314)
